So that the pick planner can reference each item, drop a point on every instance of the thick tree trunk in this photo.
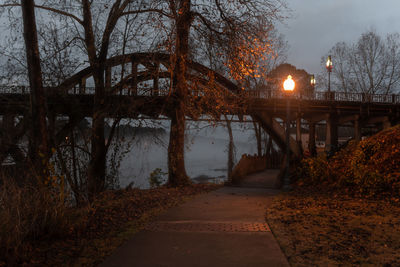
(176, 157)
(38, 143)
(97, 164)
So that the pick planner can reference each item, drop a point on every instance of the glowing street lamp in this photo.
(329, 69)
(312, 80)
(288, 86)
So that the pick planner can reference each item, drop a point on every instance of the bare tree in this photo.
(39, 139)
(371, 65)
(241, 30)
(94, 26)
(238, 28)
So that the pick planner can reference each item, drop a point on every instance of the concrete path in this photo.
(264, 179)
(222, 228)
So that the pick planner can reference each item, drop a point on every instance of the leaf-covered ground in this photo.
(369, 168)
(97, 230)
(328, 229)
(345, 210)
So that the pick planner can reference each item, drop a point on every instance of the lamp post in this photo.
(288, 86)
(329, 69)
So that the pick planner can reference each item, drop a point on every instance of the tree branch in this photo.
(206, 22)
(49, 9)
(159, 11)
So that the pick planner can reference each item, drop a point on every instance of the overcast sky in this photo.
(316, 25)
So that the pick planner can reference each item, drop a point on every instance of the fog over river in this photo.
(205, 154)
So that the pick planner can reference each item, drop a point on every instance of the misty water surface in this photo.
(205, 154)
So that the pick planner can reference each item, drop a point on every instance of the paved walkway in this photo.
(222, 228)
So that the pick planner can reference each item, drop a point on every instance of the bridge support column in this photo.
(134, 78)
(82, 86)
(155, 80)
(298, 132)
(357, 130)
(386, 123)
(298, 129)
(331, 142)
(8, 124)
(8, 128)
(311, 139)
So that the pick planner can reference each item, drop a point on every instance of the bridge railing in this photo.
(325, 96)
(261, 94)
(14, 89)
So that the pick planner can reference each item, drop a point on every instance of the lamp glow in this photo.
(329, 64)
(312, 80)
(288, 84)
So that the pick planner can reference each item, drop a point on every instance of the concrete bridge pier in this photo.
(357, 129)
(386, 123)
(311, 139)
(298, 130)
(331, 142)
(7, 128)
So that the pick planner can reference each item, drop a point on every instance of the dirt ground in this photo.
(316, 228)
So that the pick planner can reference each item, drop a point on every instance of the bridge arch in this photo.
(149, 75)
(156, 66)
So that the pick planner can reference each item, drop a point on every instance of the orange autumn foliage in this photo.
(371, 167)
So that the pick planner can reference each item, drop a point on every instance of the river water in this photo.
(205, 156)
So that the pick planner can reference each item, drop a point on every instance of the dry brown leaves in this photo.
(328, 229)
(96, 230)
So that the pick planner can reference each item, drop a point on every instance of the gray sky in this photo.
(316, 25)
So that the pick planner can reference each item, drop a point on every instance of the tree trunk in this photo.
(230, 147)
(97, 164)
(176, 158)
(257, 132)
(38, 143)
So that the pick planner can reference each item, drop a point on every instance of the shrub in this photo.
(371, 167)
(313, 170)
(27, 214)
(156, 178)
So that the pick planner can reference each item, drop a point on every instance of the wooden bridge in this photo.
(139, 84)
